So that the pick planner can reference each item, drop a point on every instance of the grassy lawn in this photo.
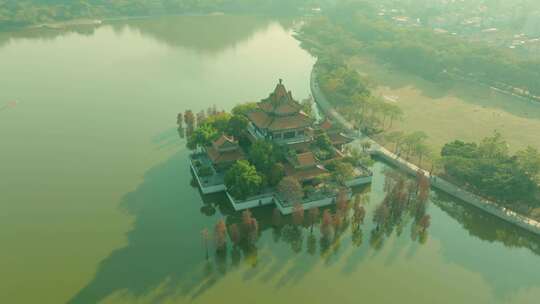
(454, 109)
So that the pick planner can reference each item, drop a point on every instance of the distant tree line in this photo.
(355, 27)
(18, 13)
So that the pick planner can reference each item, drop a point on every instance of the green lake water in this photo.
(97, 204)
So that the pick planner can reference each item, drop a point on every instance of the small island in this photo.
(275, 152)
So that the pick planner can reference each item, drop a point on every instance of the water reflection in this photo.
(495, 234)
(165, 249)
(197, 33)
(44, 34)
(485, 226)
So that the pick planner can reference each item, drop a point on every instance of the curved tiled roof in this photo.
(218, 157)
(306, 159)
(339, 138)
(327, 125)
(225, 143)
(274, 123)
(305, 174)
(280, 102)
(279, 112)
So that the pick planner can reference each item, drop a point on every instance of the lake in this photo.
(98, 204)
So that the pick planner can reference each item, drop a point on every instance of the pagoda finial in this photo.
(280, 81)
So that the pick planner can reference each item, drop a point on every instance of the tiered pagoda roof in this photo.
(279, 112)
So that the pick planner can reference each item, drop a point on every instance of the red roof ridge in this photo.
(225, 140)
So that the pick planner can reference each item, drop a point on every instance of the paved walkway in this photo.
(437, 182)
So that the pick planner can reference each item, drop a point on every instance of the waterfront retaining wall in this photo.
(206, 189)
(257, 201)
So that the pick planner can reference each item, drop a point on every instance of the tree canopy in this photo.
(243, 180)
(15, 13)
(290, 189)
(203, 136)
(491, 170)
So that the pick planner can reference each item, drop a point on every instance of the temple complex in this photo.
(311, 153)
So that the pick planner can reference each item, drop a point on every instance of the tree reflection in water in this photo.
(281, 253)
(296, 230)
(405, 201)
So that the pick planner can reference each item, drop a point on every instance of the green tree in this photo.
(276, 174)
(237, 125)
(219, 121)
(202, 137)
(529, 162)
(244, 109)
(414, 140)
(342, 172)
(243, 180)
(395, 113)
(323, 142)
(395, 137)
(493, 147)
(262, 155)
(366, 145)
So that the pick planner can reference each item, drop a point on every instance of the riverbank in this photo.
(99, 20)
(51, 16)
(436, 181)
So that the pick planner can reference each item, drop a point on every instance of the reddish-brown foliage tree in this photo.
(290, 189)
(189, 118)
(234, 234)
(402, 197)
(220, 234)
(180, 120)
(313, 215)
(422, 181)
(381, 215)
(246, 218)
(337, 220)
(425, 222)
(253, 230)
(423, 188)
(250, 226)
(298, 214)
(343, 200)
(326, 225)
(359, 213)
